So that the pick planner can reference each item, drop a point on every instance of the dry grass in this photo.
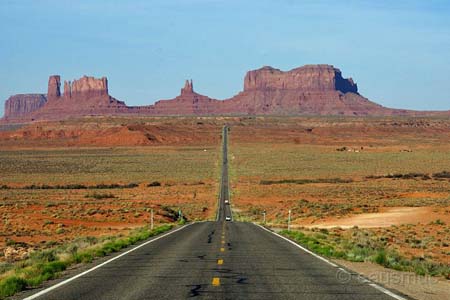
(278, 164)
(103, 191)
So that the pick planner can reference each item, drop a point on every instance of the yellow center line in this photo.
(223, 242)
(216, 281)
(220, 261)
(222, 249)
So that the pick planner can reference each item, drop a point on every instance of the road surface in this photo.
(216, 260)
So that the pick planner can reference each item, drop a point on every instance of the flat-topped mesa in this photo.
(309, 78)
(20, 105)
(188, 88)
(54, 85)
(86, 87)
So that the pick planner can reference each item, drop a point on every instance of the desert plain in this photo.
(357, 189)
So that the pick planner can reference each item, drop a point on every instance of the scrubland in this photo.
(375, 189)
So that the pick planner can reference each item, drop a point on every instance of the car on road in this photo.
(227, 218)
(227, 202)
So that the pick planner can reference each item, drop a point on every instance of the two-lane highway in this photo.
(224, 209)
(217, 260)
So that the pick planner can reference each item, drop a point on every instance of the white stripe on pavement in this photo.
(372, 284)
(43, 292)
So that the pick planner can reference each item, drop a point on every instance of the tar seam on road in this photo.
(43, 292)
(372, 284)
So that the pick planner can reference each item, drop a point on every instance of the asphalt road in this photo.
(217, 260)
(224, 208)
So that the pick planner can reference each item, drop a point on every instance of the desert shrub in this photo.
(443, 174)
(71, 187)
(5, 267)
(154, 183)
(305, 181)
(411, 175)
(437, 222)
(11, 285)
(79, 186)
(380, 257)
(130, 185)
(43, 256)
(170, 213)
(363, 247)
(99, 196)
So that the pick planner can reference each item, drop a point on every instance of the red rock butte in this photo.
(307, 90)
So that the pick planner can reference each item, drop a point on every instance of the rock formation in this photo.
(188, 88)
(309, 78)
(308, 90)
(54, 85)
(21, 105)
(187, 103)
(86, 87)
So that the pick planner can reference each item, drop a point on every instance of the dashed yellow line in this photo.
(222, 249)
(216, 281)
(223, 242)
(220, 261)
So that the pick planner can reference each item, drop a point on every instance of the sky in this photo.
(397, 51)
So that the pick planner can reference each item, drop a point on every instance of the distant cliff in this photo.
(307, 90)
(21, 105)
(310, 78)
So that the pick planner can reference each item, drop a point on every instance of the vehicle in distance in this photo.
(227, 202)
(227, 218)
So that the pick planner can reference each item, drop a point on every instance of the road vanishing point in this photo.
(215, 260)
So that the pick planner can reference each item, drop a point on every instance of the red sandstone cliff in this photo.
(85, 96)
(18, 106)
(308, 90)
(310, 78)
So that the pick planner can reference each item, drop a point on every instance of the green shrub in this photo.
(12, 285)
(381, 258)
(366, 249)
(45, 265)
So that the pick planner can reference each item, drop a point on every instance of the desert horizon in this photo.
(157, 154)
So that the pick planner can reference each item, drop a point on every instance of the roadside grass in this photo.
(364, 246)
(49, 263)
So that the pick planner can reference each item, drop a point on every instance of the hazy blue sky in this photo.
(397, 51)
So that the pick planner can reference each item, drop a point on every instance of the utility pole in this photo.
(289, 221)
(151, 219)
(264, 217)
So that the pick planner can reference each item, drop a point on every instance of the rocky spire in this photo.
(188, 87)
(54, 84)
(67, 89)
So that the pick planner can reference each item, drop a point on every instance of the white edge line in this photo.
(386, 291)
(43, 292)
(298, 246)
(374, 285)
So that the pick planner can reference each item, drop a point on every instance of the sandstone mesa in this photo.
(307, 90)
